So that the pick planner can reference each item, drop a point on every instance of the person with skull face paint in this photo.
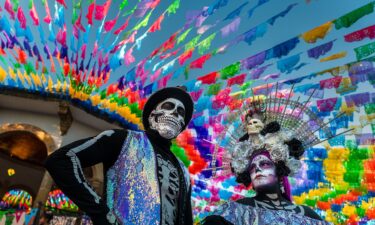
(263, 158)
(144, 182)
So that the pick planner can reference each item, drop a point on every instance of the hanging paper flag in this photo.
(359, 35)
(90, 12)
(330, 83)
(169, 44)
(185, 56)
(235, 12)
(198, 63)
(334, 56)
(362, 67)
(255, 73)
(213, 89)
(162, 83)
(253, 61)
(260, 2)
(172, 9)
(129, 58)
(271, 76)
(230, 70)
(282, 49)
(263, 90)
(205, 44)
(156, 26)
(254, 33)
(21, 17)
(287, 65)
(153, 4)
(139, 40)
(352, 17)
(320, 50)
(365, 139)
(204, 28)
(195, 95)
(273, 19)
(365, 50)
(143, 23)
(9, 8)
(357, 78)
(169, 54)
(318, 32)
(34, 15)
(232, 27)
(141, 9)
(209, 78)
(182, 37)
(326, 105)
(62, 2)
(236, 80)
(192, 43)
(346, 86)
(108, 25)
(212, 8)
(102, 10)
(123, 27)
(358, 99)
(155, 75)
(167, 67)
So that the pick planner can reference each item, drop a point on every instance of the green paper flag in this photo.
(144, 22)
(213, 89)
(182, 37)
(370, 108)
(230, 70)
(352, 17)
(191, 44)
(123, 4)
(205, 44)
(173, 7)
(365, 50)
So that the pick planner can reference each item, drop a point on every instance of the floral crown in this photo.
(278, 145)
(290, 127)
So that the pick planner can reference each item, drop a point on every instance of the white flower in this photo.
(294, 165)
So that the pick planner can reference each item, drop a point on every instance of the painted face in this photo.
(168, 118)
(262, 172)
(254, 125)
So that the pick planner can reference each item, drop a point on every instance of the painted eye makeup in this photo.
(265, 164)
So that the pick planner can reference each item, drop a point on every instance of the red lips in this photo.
(259, 175)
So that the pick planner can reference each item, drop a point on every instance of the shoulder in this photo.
(246, 201)
(309, 212)
(215, 220)
(120, 133)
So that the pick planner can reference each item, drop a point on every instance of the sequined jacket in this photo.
(133, 195)
(131, 185)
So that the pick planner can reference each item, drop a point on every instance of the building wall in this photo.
(28, 173)
(50, 124)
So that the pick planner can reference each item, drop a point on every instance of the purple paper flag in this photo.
(320, 50)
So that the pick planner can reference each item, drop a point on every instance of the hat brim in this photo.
(163, 94)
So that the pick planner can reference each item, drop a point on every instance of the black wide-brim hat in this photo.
(163, 94)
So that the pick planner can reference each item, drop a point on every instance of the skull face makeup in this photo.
(262, 173)
(168, 118)
(253, 125)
